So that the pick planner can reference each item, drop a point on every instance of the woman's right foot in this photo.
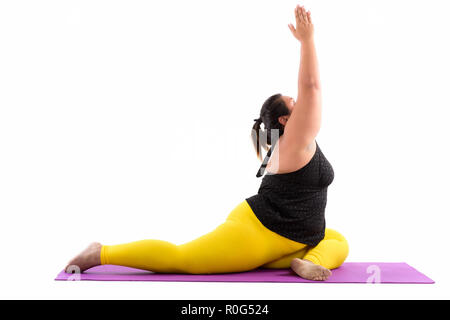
(88, 258)
(309, 270)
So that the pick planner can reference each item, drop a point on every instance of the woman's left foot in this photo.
(88, 258)
(309, 270)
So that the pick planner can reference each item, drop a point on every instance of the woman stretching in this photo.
(283, 225)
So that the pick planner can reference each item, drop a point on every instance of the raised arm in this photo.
(304, 123)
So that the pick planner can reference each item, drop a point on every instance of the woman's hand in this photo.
(304, 30)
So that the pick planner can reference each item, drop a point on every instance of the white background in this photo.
(130, 120)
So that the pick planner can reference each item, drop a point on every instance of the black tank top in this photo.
(293, 204)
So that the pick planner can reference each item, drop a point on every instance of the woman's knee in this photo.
(331, 234)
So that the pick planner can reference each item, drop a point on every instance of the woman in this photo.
(280, 227)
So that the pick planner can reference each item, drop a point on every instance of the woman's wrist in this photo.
(309, 41)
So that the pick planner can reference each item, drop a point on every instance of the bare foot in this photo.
(88, 258)
(309, 270)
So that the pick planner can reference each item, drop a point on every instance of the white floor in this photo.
(208, 291)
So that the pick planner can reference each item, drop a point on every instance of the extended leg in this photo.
(241, 243)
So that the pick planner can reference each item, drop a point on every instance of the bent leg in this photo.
(285, 261)
(239, 244)
(330, 253)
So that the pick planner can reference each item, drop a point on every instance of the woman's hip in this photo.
(244, 216)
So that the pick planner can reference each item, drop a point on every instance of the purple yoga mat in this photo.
(349, 272)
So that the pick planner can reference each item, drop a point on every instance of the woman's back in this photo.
(293, 203)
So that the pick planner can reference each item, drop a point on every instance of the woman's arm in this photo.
(305, 120)
(309, 68)
(308, 75)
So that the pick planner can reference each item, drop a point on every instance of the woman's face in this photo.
(290, 102)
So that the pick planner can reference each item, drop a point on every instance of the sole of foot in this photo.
(309, 270)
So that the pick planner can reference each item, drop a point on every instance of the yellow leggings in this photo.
(241, 243)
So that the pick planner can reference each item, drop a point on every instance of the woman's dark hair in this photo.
(273, 108)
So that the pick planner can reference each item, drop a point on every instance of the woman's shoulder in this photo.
(285, 159)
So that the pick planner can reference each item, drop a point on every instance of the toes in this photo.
(322, 275)
(72, 268)
(325, 274)
(68, 267)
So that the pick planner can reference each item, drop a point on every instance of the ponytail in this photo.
(256, 134)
